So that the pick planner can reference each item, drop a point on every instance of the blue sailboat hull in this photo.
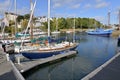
(38, 54)
(100, 32)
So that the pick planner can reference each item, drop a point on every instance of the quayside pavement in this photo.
(6, 72)
(108, 71)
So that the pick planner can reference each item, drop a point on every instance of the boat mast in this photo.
(31, 23)
(48, 18)
(15, 16)
(74, 31)
(119, 17)
(31, 15)
(56, 24)
(109, 19)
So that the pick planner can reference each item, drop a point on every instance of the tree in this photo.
(61, 23)
(19, 18)
(24, 24)
(27, 16)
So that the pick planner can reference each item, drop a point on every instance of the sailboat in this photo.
(45, 50)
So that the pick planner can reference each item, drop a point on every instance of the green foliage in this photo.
(27, 16)
(63, 23)
(19, 18)
(67, 23)
(24, 24)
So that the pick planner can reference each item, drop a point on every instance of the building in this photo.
(8, 17)
(40, 20)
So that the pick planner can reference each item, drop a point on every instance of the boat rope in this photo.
(28, 23)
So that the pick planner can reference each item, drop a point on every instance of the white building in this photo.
(8, 17)
(41, 20)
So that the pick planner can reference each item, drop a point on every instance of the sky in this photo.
(97, 9)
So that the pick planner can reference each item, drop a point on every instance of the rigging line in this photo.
(10, 4)
(28, 23)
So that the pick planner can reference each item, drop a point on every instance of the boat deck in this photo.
(29, 64)
(108, 71)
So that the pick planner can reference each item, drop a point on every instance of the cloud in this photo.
(23, 10)
(57, 5)
(101, 5)
(75, 6)
(100, 18)
(4, 6)
(66, 3)
(88, 6)
(98, 1)
(5, 3)
(116, 12)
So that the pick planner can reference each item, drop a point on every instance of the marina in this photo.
(79, 60)
(59, 40)
(83, 63)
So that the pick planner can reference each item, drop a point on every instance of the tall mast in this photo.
(74, 32)
(56, 24)
(119, 17)
(15, 16)
(31, 15)
(31, 23)
(48, 18)
(109, 18)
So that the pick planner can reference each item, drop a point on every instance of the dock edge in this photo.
(94, 72)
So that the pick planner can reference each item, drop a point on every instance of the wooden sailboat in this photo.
(43, 51)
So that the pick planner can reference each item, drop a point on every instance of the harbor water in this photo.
(93, 51)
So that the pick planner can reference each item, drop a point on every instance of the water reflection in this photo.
(92, 52)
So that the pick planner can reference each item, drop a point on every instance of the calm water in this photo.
(93, 51)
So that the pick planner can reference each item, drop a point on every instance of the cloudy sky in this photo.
(97, 9)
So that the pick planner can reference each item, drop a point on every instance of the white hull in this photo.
(13, 41)
(56, 32)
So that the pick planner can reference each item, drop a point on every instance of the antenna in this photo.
(109, 18)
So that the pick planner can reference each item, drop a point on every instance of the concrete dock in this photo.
(27, 65)
(7, 69)
(108, 71)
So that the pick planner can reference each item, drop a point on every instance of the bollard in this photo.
(7, 55)
(18, 60)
